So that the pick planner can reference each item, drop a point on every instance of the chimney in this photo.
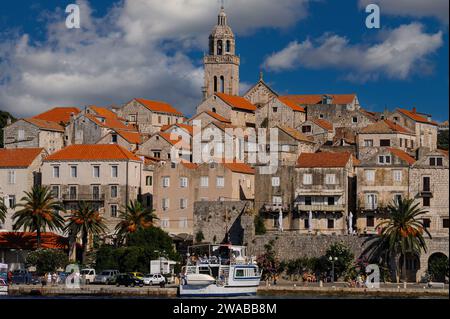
(414, 110)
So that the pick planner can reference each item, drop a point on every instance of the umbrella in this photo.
(310, 221)
(350, 223)
(280, 220)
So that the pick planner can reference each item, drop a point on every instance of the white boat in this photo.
(223, 271)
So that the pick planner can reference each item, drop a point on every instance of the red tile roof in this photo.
(109, 122)
(189, 165)
(93, 152)
(402, 155)
(416, 117)
(239, 168)
(58, 114)
(237, 102)
(323, 160)
(312, 99)
(18, 157)
(130, 136)
(188, 128)
(157, 106)
(27, 240)
(293, 105)
(103, 111)
(168, 138)
(45, 125)
(323, 124)
(385, 126)
(218, 117)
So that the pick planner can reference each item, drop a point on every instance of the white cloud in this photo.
(138, 49)
(400, 53)
(412, 8)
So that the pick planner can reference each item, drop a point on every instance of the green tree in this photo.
(442, 140)
(3, 211)
(85, 221)
(47, 260)
(134, 217)
(269, 263)
(39, 212)
(401, 234)
(344, 256)
(199, 237)
(260, 227)
(438, 267)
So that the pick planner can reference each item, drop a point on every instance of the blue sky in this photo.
(111, 60)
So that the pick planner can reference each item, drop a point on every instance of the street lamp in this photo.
(332, 260)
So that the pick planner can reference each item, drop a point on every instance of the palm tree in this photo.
(39, 212)
(134, 217)
(401, 234)
(86, 221)
(3, 211)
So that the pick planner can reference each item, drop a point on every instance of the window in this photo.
(370, 175)
(274, 109)
(397, 198)
(426, 201)
(72, 192)
(11, 177)
(113, 211)
(183, 203)
(219, 47)
(11, 201)
(436, 161)
(277, 200)
(306, 223)
(370, 221)
(426, 222)
(95, 192)
(330, 179)
(439, 161)
(368, 143)
(157, 154)
(114, 138)
(330, 200)
(285, 148)
(445, 223)
(215, 84)
(307, 179)
(220, 181)
(321, 116)
(73, 171)
(371, 201)
(397, 174)
(384, 159)
(308, 200)
(96, 171)
(166, 181)
(306, 129)
(165, 204)
(55, 171)
(55, 191)
(114, 171)
(354, 119)
(113, 191)
(165, 223)
(149, 180)
(330, 223)
(275, 181)
(183, 182)
(183, 223)
(222, 84)
(20, 135)
(228, 46)
(204, 181)
(426, 184)
(385, 142)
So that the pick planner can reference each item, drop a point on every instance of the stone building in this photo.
(149, 116)
(34, 133)
(236, 108)
(221, 65)
(164, 145)
(260, 94)
(382, 134)
(280, 111)
(382, 179)
(207, 117)
(19, 172)
(106, 176)
(422, 126)
(291, 143)
(325, 189)
(130, 140)
(320, 130)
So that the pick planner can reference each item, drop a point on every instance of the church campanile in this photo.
(221, 64)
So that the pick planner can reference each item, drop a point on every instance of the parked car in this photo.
(21, 276)
(87, 275)
(154, 279)
(137, 274)
(106, 277)
(128, 280)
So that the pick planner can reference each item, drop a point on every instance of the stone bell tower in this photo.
(221, 64)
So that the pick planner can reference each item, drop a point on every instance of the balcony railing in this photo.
(275, 207)
(370, 206)
(83, 197)
(321, 207)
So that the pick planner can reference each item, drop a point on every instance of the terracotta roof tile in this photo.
(218, 117)
(293, 105)
(188, 128)
(103, 111)
(18, 157)
(45, 125)
(92, 152)
(385, 126)
(402, 155)
(323, 124)
(109, 122)
(299, 136)
(312, 99)
(130, 136)
(239, 168)
(323, 159)
(237, 102)
(157, 106)
(416, 117)
(167, 137)
(58, 114)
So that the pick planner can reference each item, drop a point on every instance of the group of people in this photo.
(50, 279)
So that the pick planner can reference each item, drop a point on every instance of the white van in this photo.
(87, 275)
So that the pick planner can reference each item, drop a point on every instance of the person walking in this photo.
(10, 277)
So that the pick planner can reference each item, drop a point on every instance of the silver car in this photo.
(106, 277)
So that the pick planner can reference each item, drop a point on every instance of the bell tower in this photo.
(221, 64)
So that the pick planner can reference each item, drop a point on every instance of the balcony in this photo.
(370, 206)
(426, 192)
(83, 197)
(321, 207)
(275, 207)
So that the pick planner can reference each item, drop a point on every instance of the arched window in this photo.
(211, 46)
(215, 84)
(228, 47)
(219, 47)
(222, 84)
(214, 110)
